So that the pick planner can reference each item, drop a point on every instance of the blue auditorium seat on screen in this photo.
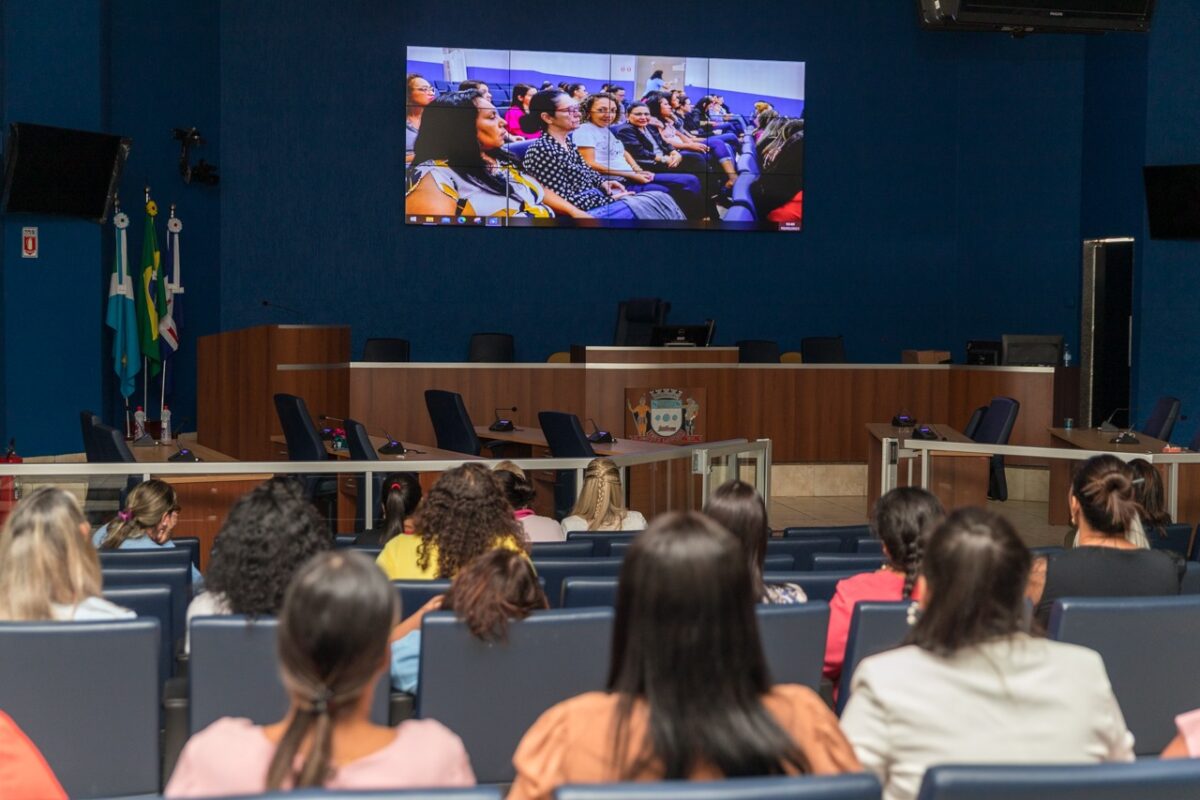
(489, 694)
(87, 694)
(578, 548)
(518, 148)
(554, 570)
(151, 602)
(741, 192)
(738, 214)
(874, 628)
(1160, 780)
(747, 163)
(847, 562)
(601, 539)
(858, 786)
(1150, 649)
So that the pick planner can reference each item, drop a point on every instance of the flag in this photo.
(169, 323)
(148, 292)
(122, 317)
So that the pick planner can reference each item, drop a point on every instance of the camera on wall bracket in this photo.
(202, 172)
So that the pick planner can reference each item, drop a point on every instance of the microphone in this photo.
(502, 425)
(598, 436)
(183, 454)
(1107, 426)
(289, 309)
(393, 447)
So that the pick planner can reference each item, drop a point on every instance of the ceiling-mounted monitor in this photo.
(1036, 16)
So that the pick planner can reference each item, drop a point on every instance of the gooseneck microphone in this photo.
(288, 309)
(1108, 425)
(598, 436)
(502, 425)
(392, 447)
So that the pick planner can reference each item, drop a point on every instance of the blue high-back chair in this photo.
(471, 686)
(416, 593)
(869, 547)
(858, 786)
(101, 739)
(233, 672)
(1150, 650)
(793, 640)
(847, 562)
(1161, 422)
(177, 577)
(134, 558)
(578, 548)
(1161, 780)
(585, 592)
(303, 442)
(554, 570)
(451, 423)
(566, 439)
(1177, 538)
(973, 422)
(874, 628)
(358, 442)
(816, 585)
(602, 541)
(995, 428)
(849, 534)
(151, 602)
(636, 319)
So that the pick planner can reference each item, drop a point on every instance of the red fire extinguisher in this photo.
(10, 488)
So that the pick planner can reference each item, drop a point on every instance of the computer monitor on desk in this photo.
(683, 335)
(1031, 351)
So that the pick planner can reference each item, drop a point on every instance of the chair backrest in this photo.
(869, 546)
(451, 423)
(874, 627)
(793, 640)
(758, 351)
(177, 576)
(857, 786)
(137, 558)
(303, 440)
(973, 422)
(847, 562)
(596, 592)
(233, 672)
(636, 319)
(416, 593)
(1161, 422)
(803, 550)
(87, 427)
(555, 570)
(601, 540)
(462, 793)
(497, 348)
(110, 445)
(849, 534)
(100, 738)
(390, 350)
(192, 545)
(997, 423)
(489, 694)
(823, 350)
(816, 585)
(151, 602)
(1191, 579)
(565, 435)
(518, 148)
(579, 548)
(359, 443)
(1162, 780)
(1177, 538)
(1150, 650)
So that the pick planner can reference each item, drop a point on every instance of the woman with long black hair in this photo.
(689, 695)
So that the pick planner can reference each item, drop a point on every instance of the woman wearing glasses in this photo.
(150, 515)
(420, 94)
(555, 161)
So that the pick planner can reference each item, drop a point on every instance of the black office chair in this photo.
(496, 348)
(973, 422)
(566, 439)
(758, 351)
(87, 427)
(361, 449)
(304, 444)
(994, 428)
(451, 423)
(386, 350)
(823, 350)
(1162, 419)
(111, 448)
(636, 319)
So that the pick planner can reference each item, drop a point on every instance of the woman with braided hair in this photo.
(601, 503)
(333, 649)
(903, 519)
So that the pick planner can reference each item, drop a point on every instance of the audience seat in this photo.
(847, 562)
(1161, 780)
(1177, 538)
(87, 694)
(859, 786)
(151, 602)
(1191, 579)
(601, 540)
(1150, 650)
(578, 548)
(874, 628)
(585, 592)
(192, 545)
(793, 640)
(517, 149)
(178, 577)
(741, 192)
(872, 546)
(465, 793)
(149, 558)
(489, 694)
(555, 570)
(849, 534)
(416, 593)
(739, 214)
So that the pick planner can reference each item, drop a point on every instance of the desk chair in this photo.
(973, 422)
(359, 445)
(452, 426)
(495, 348)
(386, 350)
(636, 319)
(995, 428)
(1161, 422)
(566, 439)
(111, 448)
(87, 426)
(304, 443)
(823, 350)
(758, 351)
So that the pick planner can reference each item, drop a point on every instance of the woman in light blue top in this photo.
(654, 83)
(150, 515)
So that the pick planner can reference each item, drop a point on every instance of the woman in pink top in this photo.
(333, 648)
(1187, 743)
(521, 93)
(519, 492)
(903, 519)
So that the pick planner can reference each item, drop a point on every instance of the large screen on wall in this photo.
(500, 138)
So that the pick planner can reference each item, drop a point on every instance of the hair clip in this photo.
(125, 515)
(396, 486)
(320, 701)
(1136, 481)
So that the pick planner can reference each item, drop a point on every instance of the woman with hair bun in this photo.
(972, 686)
(333, 649)
(1111, 557)
(519, 491)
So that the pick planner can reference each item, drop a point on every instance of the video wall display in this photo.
(504, 138)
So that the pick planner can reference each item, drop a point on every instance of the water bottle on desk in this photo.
(1066, 355)
(139, 423)
(165, 434)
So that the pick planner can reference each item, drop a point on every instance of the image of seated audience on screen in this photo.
(498, 138)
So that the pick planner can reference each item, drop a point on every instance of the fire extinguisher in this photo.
(10, 488)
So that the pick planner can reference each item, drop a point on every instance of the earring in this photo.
(913, 614)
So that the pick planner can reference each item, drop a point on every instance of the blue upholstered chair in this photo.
(602, 540)
(995, 428)
(816, 585)
(1191, 579)
(585, 592)
(151, 602)
(554, 570)
(452, 425)
(192, 545)
(566, 439)
(847, 562)
(489, 694)
(849, 534)
(793, 640)
(578, 548)
(465, 793)
(803, 550)
(973, 422)
(99, 737)
(1161, 422)
(858, 786)
(738, 214)
(1150, 650)
(591, 592)
(147, 558)
(1177, 538)
(494, 348)
(741, 192)
(178, 577)
(358, 442)
(874, 628)
(416, 593)
(1161, 780)
(758, 351)
(869, 547)
(304, 443)
(233, 672)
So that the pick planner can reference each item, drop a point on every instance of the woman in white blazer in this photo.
(972, 686)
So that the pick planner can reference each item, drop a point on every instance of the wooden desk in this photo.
(204, 500)
(957, 479)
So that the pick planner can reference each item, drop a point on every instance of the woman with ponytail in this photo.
(902, 520)
(333, 649)
(1111, 557)
(401, 494)
(147, 521)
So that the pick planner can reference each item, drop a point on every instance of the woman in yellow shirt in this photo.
(464, 515)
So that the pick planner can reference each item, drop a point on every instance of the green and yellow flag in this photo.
(151, 293)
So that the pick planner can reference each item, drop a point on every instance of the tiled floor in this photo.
(1028, 517)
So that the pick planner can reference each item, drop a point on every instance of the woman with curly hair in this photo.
(464, 515)
(270, 532)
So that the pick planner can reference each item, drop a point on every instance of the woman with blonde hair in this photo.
(601, 503)
(48, 568)
(147, 521)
